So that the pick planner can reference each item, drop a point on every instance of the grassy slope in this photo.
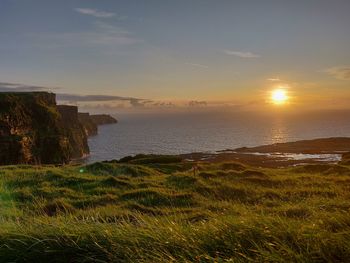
(129, 212)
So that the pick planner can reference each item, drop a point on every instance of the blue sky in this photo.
(223, 50)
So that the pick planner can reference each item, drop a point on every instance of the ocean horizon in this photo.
(186, 132)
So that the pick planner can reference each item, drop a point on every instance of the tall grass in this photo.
(158, 211)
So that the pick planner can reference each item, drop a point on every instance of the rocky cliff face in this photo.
(101, 119)
(34, 130)
(74, 131)
(90, 127)
(31, 130)
(91, 122)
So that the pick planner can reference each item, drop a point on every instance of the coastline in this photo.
(320, 150)
(268, 156)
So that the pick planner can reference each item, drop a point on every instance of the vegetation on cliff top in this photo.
(155, 209)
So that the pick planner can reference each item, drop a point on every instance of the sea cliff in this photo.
(31, 129)
(90, 127)
(35, 130)
(91, 122)
(74, 131)
(101, 119)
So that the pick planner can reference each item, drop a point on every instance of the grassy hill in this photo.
(155, 209)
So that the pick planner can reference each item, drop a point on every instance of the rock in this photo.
(31, 129)
(101, 119)
(74, 131)
(90, 127)
(90, 122)
(10, 150)
(34, 130)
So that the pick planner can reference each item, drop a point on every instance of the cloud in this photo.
(195, 103)
(73, 98)
(162, 104)
(241, 54)
(14, 87)
(94, 12)
(197, 65)
(78, 98)
(137, 103)
(274, 79)
(102, 34)
(111, 102)
(342, 73)
(108, 99)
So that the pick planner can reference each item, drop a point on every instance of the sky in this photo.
(116, 54)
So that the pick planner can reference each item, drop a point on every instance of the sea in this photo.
(187, 132)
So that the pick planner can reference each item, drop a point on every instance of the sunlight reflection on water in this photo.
(279, 131)
(334, 157)
(190, 132)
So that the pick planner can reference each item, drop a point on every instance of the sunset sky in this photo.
(185, 52)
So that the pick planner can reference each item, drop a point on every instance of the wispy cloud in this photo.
(274, 79)
(241, 54)
(14, 87)
(101, 34)
(196, 103)
(342, 72)
(196, 65)
(74, 98)
(94, 12)
(78, 98)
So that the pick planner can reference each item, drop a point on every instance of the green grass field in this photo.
(154, 209)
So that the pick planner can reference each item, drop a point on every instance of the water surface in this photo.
(176, 133)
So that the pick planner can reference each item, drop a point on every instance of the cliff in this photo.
(31, 129)
(34, 130)
(74, 131)
(90, 122)
(101, 119)
(90, 127)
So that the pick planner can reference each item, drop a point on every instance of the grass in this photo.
(159, 211)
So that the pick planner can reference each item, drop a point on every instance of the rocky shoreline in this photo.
(323, 150)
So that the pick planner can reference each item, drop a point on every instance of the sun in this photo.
(279, 96)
